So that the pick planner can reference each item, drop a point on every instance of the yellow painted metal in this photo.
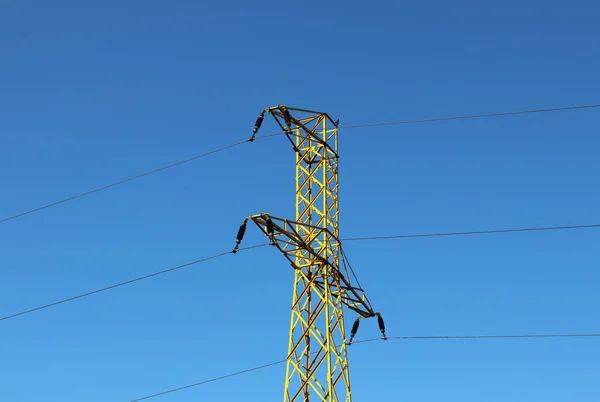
(317, 358)
(317, 362)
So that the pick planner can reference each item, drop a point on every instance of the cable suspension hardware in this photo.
(259, 121)
(354, 330)
(324, 282)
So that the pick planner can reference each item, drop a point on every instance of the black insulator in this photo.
(258, 123)
(381, 325)
(354, 328)
(240, 234)
(270, 230)
(380, 322)
(287, 118)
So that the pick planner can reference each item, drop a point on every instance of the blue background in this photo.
(94, 92)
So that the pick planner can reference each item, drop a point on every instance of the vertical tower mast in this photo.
(317, 359)
(317, 363)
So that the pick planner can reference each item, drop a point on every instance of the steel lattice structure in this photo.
(317, 362)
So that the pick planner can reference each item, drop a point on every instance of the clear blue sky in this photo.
(90, 94)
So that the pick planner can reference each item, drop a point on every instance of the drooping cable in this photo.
(475, 116)
(254, 137)
(526, 336)
(479, 232)
(104, 289)
(117, 183)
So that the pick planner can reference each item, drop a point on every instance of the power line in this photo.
(549, 228)
(529, 336)
(211, 380)
(193, 158)
(475, 116)
(53, 204)
(538, 229)
(526, 336)
(8, 317)
(262, 245)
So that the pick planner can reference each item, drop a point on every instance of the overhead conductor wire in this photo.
(479, 232)
(236, 144)
(141, 278)
(525, 336)
(139, 176)
(262, 245)
(475, 116)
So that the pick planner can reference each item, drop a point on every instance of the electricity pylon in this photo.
(317, 362)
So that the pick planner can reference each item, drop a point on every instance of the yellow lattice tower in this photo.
(317, 362)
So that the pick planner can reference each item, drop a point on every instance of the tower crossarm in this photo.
(283, 234)
(303, 128)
